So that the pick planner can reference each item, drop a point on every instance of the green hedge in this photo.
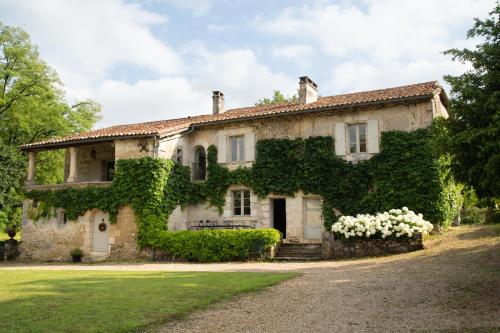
(216, 245)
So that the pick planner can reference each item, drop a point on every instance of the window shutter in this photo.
(250, 146)
(340, 138)
(221, 148)
(373, 136)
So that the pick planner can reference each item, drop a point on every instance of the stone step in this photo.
(296, 258)
(299, 250)
(301, 246)
(315, 257)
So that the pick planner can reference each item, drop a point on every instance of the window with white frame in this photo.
(241, 203)
(357, 138)
(237, 144)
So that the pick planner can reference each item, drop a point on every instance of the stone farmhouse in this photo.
(354, 120)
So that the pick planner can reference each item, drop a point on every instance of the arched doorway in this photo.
(200, 164)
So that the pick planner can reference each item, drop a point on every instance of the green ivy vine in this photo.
(406, 173)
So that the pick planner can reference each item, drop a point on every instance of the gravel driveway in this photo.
(452, 286)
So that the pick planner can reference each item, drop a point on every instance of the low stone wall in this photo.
(351, 248)
(9, 249)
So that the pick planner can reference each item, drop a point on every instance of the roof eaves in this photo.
(315, 109)
(79, 142)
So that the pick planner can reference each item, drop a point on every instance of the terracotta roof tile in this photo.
(171, 126)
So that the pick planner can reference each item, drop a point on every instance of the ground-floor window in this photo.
(241, 202)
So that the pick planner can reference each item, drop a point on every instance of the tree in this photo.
(11, 177)
(277, 98)
(32, 108)
(473, 127)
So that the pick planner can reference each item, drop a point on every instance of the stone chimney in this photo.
(308, 90)
(218, 102)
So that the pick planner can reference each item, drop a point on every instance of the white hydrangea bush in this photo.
(396, 222)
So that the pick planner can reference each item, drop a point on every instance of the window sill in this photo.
(241, 217)
(356, 157)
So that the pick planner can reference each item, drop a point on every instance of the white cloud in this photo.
(382, 42)
(237, 73)
(148, 100)
(350, 76)
(299, 53)
(198, 7)
(83, 40)
(219, 27)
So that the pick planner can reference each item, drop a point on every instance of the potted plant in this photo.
(76, 254)
(11, 232)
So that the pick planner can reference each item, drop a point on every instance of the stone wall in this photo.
(351, 248)
(53, 238)
(406, 117)
(123, 236)
(133, 148)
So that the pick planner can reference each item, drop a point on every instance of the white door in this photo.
(101, 232)
(313, 219)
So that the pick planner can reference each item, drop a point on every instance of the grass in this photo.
(4, 236)
(106, 301)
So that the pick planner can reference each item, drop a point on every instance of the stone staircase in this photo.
(304, 252)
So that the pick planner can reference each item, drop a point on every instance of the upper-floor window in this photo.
(357, 138)
(241, 202)
(237, 144)
(200, 164)
(178, 155)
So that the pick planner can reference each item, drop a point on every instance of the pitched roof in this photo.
(172, 126)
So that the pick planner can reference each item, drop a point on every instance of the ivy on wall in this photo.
(139, 183)
(405, 173)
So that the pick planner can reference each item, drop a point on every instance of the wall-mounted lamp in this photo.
(93, 154)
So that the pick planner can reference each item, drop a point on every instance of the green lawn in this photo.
(105, 301)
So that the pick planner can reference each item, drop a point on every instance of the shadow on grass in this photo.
(480, 231)
(77, 301)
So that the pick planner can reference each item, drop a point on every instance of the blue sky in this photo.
(161, 59)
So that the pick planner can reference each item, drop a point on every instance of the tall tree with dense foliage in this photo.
(474, 123)
(277, 98)
(32, 108)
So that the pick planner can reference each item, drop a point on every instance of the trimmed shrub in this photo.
(216, 245)
(394, 223)
(474, 215)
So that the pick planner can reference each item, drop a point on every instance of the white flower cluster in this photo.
(398, 222)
